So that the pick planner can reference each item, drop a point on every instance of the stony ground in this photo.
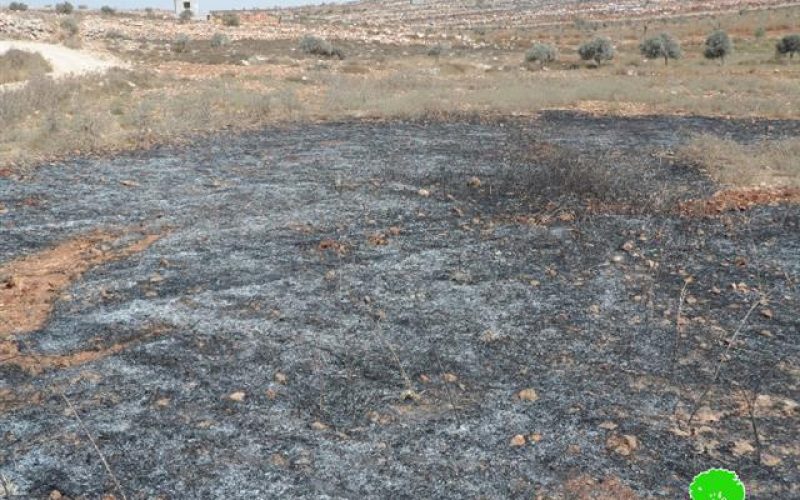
(398, 310)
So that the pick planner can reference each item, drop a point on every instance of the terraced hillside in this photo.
(509, 13)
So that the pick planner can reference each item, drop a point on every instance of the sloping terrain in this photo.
(503, 309)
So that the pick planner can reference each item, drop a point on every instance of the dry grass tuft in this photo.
(19, 65)
(772, 163)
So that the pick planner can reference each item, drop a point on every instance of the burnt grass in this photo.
(381, 337)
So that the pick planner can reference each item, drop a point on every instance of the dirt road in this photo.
(65, 61)
(378, 310)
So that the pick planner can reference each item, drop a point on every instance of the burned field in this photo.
(467, 309)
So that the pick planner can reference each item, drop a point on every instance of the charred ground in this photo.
(353, 309)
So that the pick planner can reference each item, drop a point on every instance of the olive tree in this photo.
(541, 53)
(600, 49)
(718, 46)
(790, 44)
(663, 45)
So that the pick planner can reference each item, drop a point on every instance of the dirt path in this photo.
(376, 310)
(65, 61)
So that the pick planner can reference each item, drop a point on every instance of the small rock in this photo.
(424, 193)
(460, 277)
(518, 440)
(280, 377)
(527, 395)
(319, 426)
(409, 395)
(237, 396)
(450, 378)
(474, 182)
(622, 444)
(278, 460)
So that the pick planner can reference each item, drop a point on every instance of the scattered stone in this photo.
(624, 444)
(527, 395)
(518, 440)
(237, 396)
(319, 426)
(474, 182)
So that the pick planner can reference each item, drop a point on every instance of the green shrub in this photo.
(180, 44)
(663, 45)
(314, 45)
(231, 20)
(790, 44)
(541, 53)
(600, 49)
(70, 26)
(107, 10)
(64, 8)
(17, 6)
(718, 46)
(220, 40)
(760, 32)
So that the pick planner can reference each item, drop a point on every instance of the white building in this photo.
(182, 5)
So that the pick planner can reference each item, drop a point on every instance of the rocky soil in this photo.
(467, 309)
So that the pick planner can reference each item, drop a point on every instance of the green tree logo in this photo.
(717, 484)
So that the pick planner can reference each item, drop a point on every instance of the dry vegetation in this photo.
(764, 163)
(18, 65)
(174, 94)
